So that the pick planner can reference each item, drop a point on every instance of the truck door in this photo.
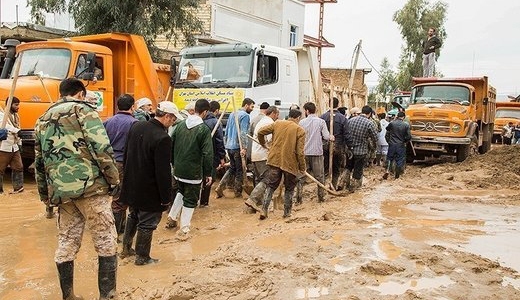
(101, 84)
(268, 86)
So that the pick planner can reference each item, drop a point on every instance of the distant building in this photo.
(339, 82)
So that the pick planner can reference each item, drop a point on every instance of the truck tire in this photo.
(486, 140)
(465, 150)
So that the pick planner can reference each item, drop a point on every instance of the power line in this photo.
(368, 61)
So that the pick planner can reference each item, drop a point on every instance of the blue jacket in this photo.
(117, 129)
(231, 130)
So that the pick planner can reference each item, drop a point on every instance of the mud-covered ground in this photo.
(443, 231)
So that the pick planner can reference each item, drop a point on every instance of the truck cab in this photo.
(232, 72)
(451, 116)
(506, 112)
(109, 65)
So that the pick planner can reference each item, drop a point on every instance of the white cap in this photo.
(189, 106)
(143, 101)
(355, 110)
(169, 108)
(92, 97)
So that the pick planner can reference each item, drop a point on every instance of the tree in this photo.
(387, 79)
(414, 20)
(175, 19)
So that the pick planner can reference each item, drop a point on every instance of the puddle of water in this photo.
(372, 202)
(386, 249)
(309, 293)
(397, 288)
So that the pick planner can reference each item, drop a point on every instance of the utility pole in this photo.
(352, 75)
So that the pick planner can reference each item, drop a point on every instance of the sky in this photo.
(482, 37)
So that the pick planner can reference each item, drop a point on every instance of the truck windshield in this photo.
(224, 70)
(507, 113)
(50, 63)
(441, 94)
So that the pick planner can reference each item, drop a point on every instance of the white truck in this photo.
(224, 72)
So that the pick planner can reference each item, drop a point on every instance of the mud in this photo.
(443, 231)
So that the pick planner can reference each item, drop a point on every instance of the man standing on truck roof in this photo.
(397, 135)
(233, 147)
(117, 128)
(75, 170)
(10, 149)
(430, 46)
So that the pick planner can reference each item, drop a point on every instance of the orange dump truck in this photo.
(451, 116)
(506, 112)
(120, 62)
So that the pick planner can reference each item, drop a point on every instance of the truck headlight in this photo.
(456, 128)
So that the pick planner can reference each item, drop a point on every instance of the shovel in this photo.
(246, 186)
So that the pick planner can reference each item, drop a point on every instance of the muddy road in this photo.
(442, 231)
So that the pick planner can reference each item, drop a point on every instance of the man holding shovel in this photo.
(284, 158)
(236, 144)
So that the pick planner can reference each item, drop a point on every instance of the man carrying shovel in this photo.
(285, 158)
(236, 141)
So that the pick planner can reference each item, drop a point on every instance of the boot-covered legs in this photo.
(255, 200)
(107, 277)
(17, 178)
(175, 211)
(128, 236)
(143, 244)
(66, 275)
(268, 197)
(287, 203)
(118, 220)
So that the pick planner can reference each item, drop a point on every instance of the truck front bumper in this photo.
(437, 144)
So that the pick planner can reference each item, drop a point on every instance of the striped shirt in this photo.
(315, 132)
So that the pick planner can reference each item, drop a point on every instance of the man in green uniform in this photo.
(192, 157)
(76, 171)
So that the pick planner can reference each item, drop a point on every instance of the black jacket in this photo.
(219, 151)
(428, 43)
(398, 132)
(147, 172)
(339, 126)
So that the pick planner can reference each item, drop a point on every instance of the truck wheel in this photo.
(465, 150)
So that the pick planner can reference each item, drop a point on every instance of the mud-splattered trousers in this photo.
(96, 213)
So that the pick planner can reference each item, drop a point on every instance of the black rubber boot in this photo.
(1, 184)
(66, 274)
(267, 200)
(118, 220)
(49, 212)
(128, 237)
(398, 172)
(17, 179)
(107, 277)
(143, 244)
(287, 203)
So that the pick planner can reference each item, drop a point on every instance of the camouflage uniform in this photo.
(74, 170)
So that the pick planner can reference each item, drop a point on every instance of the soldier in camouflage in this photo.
(75, 171)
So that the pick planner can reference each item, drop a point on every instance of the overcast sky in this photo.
(482, 36)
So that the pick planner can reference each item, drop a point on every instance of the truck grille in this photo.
(439, 115)
(431, 126)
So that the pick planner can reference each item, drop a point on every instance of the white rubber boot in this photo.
(186, 215)
(174, 211)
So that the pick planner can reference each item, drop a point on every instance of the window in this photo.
(48, 63)
(81, 66)
(293, 35)
(266, 70)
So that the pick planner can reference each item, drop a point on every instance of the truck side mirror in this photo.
(173, 71)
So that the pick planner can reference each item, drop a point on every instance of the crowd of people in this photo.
(118, 177)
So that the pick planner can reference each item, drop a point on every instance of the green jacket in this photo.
(73, 156)
(192, 151)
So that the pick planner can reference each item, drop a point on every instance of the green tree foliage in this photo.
(175, 19)
(387, 79)
(414, 20)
